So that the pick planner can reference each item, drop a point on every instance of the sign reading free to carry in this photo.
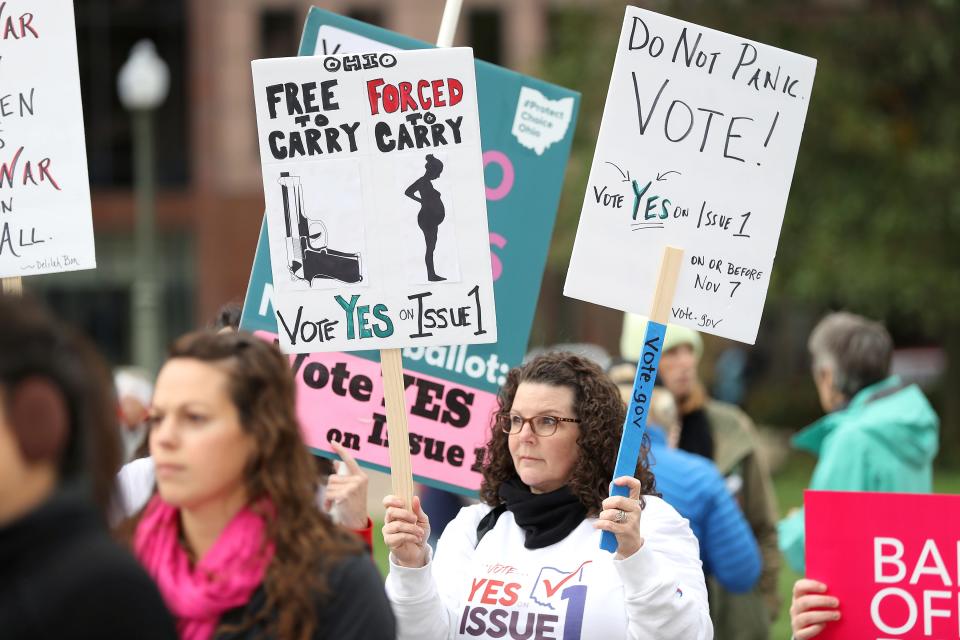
(526, 128)
(374, 189)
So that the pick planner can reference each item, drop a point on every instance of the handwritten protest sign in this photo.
(374, 197)
(522, 193)
(893, 561)
(45, 217)
(687, 189)
(696, 149)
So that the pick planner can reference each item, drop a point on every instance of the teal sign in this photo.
(526, 127)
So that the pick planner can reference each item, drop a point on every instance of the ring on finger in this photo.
(621, 516)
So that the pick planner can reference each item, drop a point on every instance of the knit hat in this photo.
(635, 329)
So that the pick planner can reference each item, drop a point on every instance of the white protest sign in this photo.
(696, 149)
(375, 200)
(45, 217)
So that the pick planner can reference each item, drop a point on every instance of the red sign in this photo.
(893, 560)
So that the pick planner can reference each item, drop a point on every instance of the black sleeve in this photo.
(358, 608)
(107, 595)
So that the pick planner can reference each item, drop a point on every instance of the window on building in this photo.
(486, 34)
(106, 31)
(279, 33)
(98, 301)
(368, 15)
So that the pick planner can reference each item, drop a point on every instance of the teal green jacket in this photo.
(884, 440)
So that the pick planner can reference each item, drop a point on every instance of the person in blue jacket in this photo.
(693, 486)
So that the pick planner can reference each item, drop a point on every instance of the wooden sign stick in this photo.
(11, 286)
(391, 360)
(401, 473)
(635, 424)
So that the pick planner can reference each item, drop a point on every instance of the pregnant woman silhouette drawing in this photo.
(431, 210)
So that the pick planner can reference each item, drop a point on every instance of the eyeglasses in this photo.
(543, 426)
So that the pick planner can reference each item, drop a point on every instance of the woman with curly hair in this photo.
(526, 563)
(233, 537)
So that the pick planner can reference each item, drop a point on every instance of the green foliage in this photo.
(874, 212)
(581, 53)
(873, 219)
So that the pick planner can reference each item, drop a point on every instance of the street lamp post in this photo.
(142, 83)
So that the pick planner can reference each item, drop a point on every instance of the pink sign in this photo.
(891, 559)
(340, 397)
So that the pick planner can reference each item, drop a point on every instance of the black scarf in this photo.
(546, 518)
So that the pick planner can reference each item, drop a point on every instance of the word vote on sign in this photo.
(696, 150)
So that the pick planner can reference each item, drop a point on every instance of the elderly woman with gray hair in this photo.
(878, 435)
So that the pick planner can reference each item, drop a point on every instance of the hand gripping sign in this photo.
(375, 208)
(693, 164)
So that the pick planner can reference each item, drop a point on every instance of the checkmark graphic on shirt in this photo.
(553, 589)
(550, 588)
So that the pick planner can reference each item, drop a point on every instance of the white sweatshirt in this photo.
(571, 590)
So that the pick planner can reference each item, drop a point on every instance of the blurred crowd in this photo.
(187, 505)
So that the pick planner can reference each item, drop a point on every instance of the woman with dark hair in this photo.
(233, 537)
(431, 210)
(342, 491)
(526, 562)
(228, 317)
(61, 573)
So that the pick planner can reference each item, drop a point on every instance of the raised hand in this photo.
(811, 609)
(405, 532)
(621, 517)
(346, 495)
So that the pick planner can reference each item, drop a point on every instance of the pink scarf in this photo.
(223, 579)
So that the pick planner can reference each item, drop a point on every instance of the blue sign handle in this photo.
(636, 422)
